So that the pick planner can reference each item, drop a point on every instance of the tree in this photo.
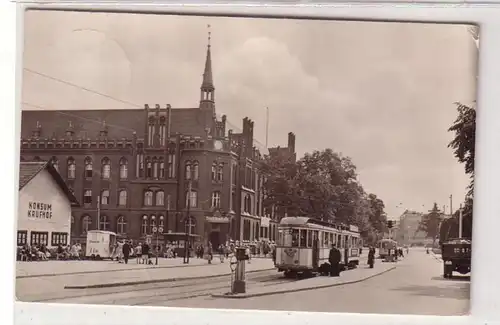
(322, 185)
(464, 146)
(464, 142)
(430, 223)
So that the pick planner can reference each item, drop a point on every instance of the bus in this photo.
(385, 245)
(304, 245)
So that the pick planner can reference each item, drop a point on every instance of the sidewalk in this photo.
(56, 268)
(359, 274)
(39, 286)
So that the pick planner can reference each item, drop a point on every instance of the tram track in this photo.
(145, 293)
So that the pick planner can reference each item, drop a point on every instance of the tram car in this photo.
(304, 245)
(385, 246)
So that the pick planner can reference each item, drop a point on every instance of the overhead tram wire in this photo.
(80, 87)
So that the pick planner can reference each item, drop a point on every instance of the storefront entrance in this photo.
(214, 238)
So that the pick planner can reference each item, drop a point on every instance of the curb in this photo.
(131, 283)
(251, 295)
(107, 271)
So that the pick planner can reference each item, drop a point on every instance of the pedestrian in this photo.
(209, 253)
(145, 253)
(371, 257)
(334, 258)
(126, 252)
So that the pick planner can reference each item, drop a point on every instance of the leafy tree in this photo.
(464, 142)
(431, 222)
(464, 146)
(322, 185)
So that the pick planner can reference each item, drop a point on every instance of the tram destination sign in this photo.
(39, 210)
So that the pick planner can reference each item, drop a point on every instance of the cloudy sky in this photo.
(381, 93)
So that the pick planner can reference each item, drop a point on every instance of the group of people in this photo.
(43, 253)
(123, 250)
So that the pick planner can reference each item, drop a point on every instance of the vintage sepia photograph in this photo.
(246, 163)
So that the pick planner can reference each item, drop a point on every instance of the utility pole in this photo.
(267, 126)
(451, 205)
(99, 212)
(460, 223)
(187, 223)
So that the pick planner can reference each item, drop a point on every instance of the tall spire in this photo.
(207, 97)
(208, 82)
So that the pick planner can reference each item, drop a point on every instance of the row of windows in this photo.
(192, 171)
(305, 238)
(148, 223)
(41, 238)
(155, 167)
(89, 169)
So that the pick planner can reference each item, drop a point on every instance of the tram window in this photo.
(303, 238)
(295, 237)
(332, 238)
(326, 239)
(287, 238)
(309, 238)
(320, 239)
(346, 241)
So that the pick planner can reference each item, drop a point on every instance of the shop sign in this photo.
(39, 210)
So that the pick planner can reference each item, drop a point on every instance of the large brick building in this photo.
(132, 168)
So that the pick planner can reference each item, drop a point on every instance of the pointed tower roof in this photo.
(208, 82)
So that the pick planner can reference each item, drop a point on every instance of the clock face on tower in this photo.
(218, 145)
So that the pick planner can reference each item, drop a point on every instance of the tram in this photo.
(304, 245)
(385, 246)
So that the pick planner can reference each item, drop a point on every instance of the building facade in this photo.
(140, 170)
(408, 229)
(45, 202)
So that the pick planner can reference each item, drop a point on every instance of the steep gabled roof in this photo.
(28, 171)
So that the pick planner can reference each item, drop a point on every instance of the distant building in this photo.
(408, 232)
(45, 202)
(132, 168)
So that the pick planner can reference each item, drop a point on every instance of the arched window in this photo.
(188, 170)
(105, 197)
(214, 171)
(171, 165)
(55, 162)
(234, 170)
(155, 169)
(149, 168)
(151, 130)
(103, 223)
(105, 168)
(71, 168)
(247, 204)
(162, 169)
(86, 224)
(87, 197)
(144, 225)
(220, 172)
(163, 130)
(121, 225)
(36, 158)
(88, 167)
(148, 198)
(122, 197)
(73, 224)
(196, 170)
(152, 224)
(192, 199)
(123, 168)
(216, 199)
(160, 198)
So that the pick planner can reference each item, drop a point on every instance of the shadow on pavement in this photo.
(461, 278)
(460, 291)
